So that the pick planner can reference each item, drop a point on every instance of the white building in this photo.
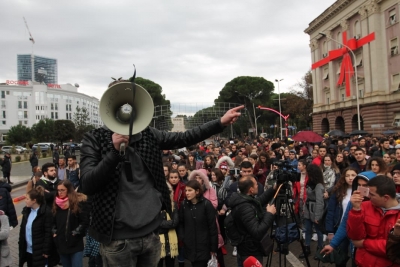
(25, 103)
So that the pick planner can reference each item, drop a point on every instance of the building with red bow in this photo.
(356, 40)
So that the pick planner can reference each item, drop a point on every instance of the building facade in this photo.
(45, 69)
(358, 37)
(27, 103)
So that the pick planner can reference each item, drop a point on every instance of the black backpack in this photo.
(231, 230)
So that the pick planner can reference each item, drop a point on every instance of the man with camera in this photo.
(252, 220)
(130, 191)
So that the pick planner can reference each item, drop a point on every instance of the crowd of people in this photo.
(346, 192)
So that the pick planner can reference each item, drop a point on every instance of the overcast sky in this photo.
(191, 48)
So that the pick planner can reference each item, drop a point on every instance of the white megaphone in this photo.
(117, 106)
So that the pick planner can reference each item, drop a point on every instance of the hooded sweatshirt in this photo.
(209, 192)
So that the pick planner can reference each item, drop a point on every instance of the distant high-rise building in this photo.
(45, 69)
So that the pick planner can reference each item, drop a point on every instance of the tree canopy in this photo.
(43, 130)
(64, 130)
(82, 126)
(18, 135)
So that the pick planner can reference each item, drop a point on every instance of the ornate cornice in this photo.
(329, 13)
(373, 7)
(314, 45)
(344, 24)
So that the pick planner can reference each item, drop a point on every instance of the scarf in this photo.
(172, 240)
(62, 203)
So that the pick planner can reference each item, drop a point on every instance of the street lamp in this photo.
(355, 72)
(279, 99)
(255, 122)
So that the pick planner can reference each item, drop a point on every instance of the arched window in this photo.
(339, 39)
(325, 47)
(357, 28)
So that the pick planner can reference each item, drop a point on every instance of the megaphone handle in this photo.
(122, 147)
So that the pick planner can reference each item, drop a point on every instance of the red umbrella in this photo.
(307, 136)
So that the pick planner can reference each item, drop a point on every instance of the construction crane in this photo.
(32, 56)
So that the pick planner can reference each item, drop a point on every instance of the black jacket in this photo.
(34, 160)
(100, 172)
(6, 203)
(56, 157)
(198, 229)
(70, 228)
(51, 187)
(41, 236)
(251, 220)
(6, 164)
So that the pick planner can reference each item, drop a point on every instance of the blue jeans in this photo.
(136, 252)
(72, 260)
(309, 224)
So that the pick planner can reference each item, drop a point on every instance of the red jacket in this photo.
(179, 194)
(296, 194)
(317, 160)
(372, 225)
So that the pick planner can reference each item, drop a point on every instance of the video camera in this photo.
(285, 172)
(234, 172)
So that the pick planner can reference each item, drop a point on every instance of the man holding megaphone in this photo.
(128, 184)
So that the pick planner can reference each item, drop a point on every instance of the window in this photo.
(3, 94)
(4, 114)
(56, 115)
(70, 109)
(339, 68)
(394, 47)
(357, 29)
(3, 104)
(325, 49)
(25, 122)
(3, 122)
(339, 40)
(359, 59)
(25, 114)
(327, 100)
(325, 74)
(396, 120)
(392, 16)
(66, 116)
(395, 82)
(20, 122)
(342, 95)
(66, 107)
(56, 106)
(25, 104)
(51, 106)
(52, 115)
(20, 115)
(19, 104)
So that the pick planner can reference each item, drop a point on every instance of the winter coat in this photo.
(261, 177)
(179, 194)
(6, 203)
(41, 236)
(198, 229)
(51, 187)
(100, 175)
(296, 194)
(373, 225)
(167, 225)
(209, 192)
(314, 206)
(329, 178)
(34, 160)
(6, 164)
(393, 248)
(6, 259)
(70, 228)
(252, 221)
(334, 214)
(234, 188)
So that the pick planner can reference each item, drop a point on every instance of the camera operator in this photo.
(246, 169)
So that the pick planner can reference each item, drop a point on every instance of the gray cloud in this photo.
(192, 49)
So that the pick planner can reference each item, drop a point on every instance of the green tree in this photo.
(18, 134)
(249, 91)
(81, 121)
(64, 130)
(43, 130)
(300, 102)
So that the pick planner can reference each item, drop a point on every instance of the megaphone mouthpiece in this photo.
(124, 113)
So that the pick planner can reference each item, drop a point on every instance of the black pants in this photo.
(7, 175)
(95, 261)
(199, 264)
(169, 262)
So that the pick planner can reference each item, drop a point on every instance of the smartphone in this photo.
(364, 191)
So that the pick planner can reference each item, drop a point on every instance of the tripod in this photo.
(284, 199)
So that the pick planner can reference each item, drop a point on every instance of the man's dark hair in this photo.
(182, 165)
(71, 157)
(47, 165)
(245, 183)
(246, 165)
(384, 186)
(323, 147)
(359, 149)
(383, 140)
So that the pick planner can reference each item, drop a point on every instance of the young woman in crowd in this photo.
(167, 169)
(340, 197)
(377, 165)
(32, 182)
(253, 159)
(167, 233)
(5, 257)
(191, 163)
(35, 231)
(261, 169)
(341, 162)
(285, 155)
(177, 186)
(303, 153)
(197, 226)
(387, 159)
(300, 190)
(314, 153)
(70, 222)
(330, 172)
(314, 206)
